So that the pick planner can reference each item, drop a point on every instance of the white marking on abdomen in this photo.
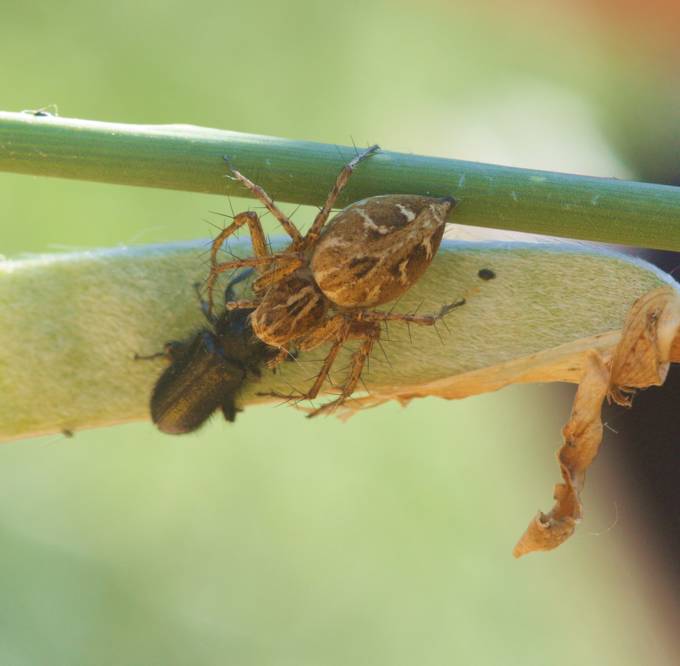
(406, 212)
(370, 224)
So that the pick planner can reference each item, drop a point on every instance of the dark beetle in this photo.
(207, 371)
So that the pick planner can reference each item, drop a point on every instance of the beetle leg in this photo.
(171, 351)
(229, 292)
(229, 408)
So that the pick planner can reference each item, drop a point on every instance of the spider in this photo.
(323, 287)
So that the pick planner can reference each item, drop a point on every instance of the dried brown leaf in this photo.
(582, 436)
(642, 356)
(649, 340)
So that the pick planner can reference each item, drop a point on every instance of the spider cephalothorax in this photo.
(322, 287)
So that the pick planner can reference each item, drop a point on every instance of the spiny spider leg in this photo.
(422, 320)
(269, 204)
(241, 304)
(313, 391)
(239, 263)
(370, 336)
(276, 274)
(342, 329)
(327, 365)
(256, 234)
(338, 329)
(340, 182)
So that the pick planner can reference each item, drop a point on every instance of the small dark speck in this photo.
(486, 274)
(67, 433)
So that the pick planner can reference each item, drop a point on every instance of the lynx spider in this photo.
(322, 287)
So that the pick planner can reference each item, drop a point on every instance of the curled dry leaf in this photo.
(582, 436)
(649, 342)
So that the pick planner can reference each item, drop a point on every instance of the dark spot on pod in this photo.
(486, 274)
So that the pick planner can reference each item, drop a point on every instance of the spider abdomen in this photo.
(376, 249)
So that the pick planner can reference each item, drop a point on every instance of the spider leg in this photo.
(256, 234)
(256, 262)
(325, 369)
(259, 248)
(242, 304)
(370, 333)
(338, 329)
(276, 274)
(422, 320)
(269, 204)
(229, 297)
(314, 389)
(340, 182)
(333, 328)
(341, 329)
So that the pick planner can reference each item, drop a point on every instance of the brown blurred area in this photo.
(644, 118)
(653, 24)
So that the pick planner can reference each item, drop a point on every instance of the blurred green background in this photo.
(384, 540)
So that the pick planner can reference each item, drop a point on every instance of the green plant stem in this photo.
(191, 158)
